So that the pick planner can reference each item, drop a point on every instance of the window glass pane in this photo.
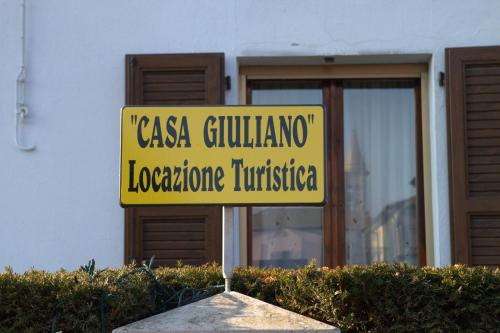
(286, 92)
(286, 236)
(380, 172)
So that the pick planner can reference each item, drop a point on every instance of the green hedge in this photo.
(376, 298)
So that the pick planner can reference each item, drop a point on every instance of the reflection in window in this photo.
(286, 236)
(380, 172)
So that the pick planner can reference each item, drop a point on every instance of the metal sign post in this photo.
(227, 246)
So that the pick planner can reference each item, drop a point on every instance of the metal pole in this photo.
(227, 246)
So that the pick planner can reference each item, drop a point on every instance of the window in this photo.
(287, 236)
(375, 211)
(380, 171)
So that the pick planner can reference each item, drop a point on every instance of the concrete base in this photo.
(227, 312)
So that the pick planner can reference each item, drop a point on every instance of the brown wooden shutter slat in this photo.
(183, 245)
(174, 87)
(473, 106)
(484, 115)
(189, 234)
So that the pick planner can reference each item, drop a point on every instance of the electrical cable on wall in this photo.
(21, 107)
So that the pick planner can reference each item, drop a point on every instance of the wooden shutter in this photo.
(193, 234)
(473, 106)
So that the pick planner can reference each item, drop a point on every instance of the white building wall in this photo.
(59, 203)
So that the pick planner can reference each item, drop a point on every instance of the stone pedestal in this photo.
(227, 312)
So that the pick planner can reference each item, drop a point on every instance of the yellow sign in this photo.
(231, 155)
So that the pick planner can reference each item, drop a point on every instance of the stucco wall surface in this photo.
(59, 203)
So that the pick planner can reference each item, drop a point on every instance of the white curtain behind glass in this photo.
(380, 170)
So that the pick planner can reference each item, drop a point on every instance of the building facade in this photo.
(411, 88)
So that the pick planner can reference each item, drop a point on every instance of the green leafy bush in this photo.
(400, 298)
(376, 298)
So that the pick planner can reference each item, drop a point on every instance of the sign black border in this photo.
(233, 204)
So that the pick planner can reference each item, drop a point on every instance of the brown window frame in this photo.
(334, 214)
